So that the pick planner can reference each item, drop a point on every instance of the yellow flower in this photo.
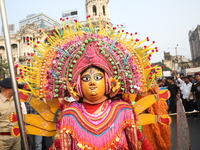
(115, 84)
(72, 91)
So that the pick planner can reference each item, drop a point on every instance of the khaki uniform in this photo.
(7, 142)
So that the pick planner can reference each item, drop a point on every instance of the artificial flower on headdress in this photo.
(115, 84)
(72, 91)
(71, 88)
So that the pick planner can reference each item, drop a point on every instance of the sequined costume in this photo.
(100, 131)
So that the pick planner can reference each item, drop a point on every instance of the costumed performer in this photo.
(98, 121)
(70, 60)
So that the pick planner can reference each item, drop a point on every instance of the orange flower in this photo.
(115, 84)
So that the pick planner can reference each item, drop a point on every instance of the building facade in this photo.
(96, 9)
(41, 20)
(178, 62)
(20, 50)
(194, 40)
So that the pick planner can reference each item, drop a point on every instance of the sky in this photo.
(167, 22)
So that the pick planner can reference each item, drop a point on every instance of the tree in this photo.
(165, 68)
(4, 68)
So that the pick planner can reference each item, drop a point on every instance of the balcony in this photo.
(24, 58)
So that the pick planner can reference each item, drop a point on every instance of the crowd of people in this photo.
(185, 87)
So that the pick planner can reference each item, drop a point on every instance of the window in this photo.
(28, 64)
(94, 10)
(13, 46)
(27, 40)
(104, 11)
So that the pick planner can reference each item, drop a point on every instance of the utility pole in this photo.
(13, 78)
(176, 53)
(176, 62)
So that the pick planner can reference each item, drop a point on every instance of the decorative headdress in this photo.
(71, 49)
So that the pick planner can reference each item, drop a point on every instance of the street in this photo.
(194, 128)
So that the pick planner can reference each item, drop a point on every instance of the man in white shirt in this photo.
(185, 87)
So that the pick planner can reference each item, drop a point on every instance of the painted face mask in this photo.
(93, 84)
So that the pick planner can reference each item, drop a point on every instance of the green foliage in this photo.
(4, 68)
(165, 68)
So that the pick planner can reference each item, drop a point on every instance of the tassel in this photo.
(62, 51)
(53, 73)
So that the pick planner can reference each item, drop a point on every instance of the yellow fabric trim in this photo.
(37, 131)
(131, 97)
(145, 119)
(42, 108)
(53, 104)
(144, 103)
(38, 121)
